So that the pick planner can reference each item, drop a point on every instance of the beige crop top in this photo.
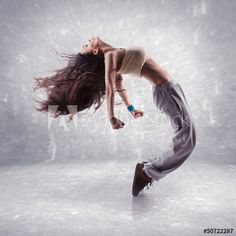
(133, 61)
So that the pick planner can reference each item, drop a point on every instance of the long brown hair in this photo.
(80, 83)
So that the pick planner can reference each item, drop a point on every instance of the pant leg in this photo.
(170, 99)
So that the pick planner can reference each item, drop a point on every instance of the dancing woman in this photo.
(95, 73)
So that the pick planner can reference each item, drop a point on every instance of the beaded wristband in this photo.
(120, 90)
(130, 108)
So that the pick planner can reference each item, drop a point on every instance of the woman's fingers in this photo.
(119, 125)
(138, 114)
(121, 122)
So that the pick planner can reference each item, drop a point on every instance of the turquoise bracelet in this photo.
(130, 108)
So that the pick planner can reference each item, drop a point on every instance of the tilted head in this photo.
(92, 46)
(81, 82)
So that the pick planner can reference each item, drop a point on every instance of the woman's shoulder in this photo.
(117, 55)
(115, 51)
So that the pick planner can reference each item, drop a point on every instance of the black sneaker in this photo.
(141, 180)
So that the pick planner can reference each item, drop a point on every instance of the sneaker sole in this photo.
(138, 168)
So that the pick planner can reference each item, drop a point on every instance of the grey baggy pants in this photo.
(170, 99)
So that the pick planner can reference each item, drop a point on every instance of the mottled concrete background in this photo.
(194, 40)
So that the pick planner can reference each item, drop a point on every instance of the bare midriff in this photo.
(154, 73)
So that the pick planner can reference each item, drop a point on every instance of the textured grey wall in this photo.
(193, 40)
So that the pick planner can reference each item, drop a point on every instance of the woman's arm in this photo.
(124, 96)
(110, 79)
(121, 90)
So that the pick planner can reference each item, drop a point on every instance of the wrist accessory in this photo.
(120, 90)
(130, 108)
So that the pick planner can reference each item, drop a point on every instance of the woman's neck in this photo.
(104, 47)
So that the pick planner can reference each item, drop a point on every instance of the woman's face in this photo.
(91, 46)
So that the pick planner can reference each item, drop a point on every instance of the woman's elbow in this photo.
(109, 91)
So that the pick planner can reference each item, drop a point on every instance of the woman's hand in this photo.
(116, 123)
(136, 113)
